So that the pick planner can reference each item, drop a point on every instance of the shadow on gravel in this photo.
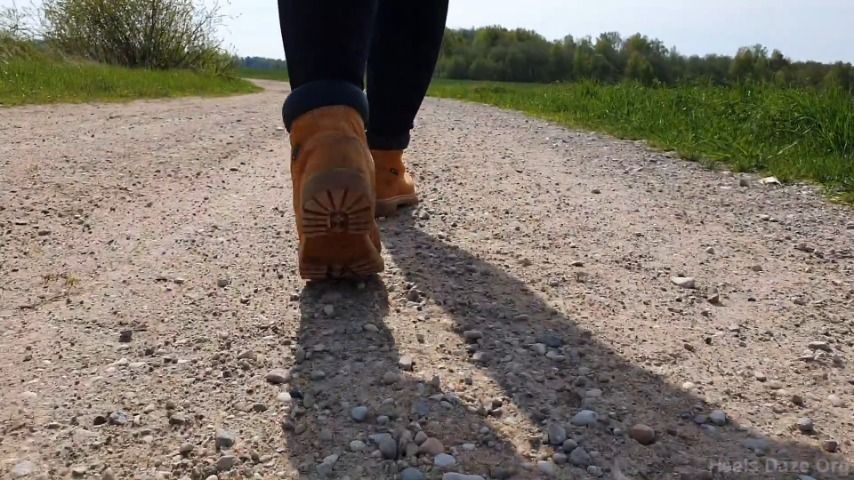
(350, 360)
(583, 373)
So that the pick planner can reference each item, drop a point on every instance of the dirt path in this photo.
(149, 310)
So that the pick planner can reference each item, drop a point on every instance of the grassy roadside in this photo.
(793, 134)
(28, 76)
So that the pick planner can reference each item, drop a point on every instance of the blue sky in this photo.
(802, 29)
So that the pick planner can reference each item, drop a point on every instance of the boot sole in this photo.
(388, 206)
(337, 223)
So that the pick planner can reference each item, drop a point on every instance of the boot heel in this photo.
(338, 225)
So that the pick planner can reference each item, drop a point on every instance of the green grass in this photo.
(264, 74)
(790, 133)
(30, 75)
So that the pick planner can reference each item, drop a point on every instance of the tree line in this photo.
(498, 53)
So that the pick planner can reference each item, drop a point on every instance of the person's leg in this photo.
(404, 49)
(405, 46)
(326, 45)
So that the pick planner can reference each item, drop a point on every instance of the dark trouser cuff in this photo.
(324, 93)
(387, 142)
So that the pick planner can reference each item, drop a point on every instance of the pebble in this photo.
(472, 336)
(560, 458)
(421, 437)
(830, 446)
(443, 460)
(388, 447)
(108, 474)
(317, 375)
(718, 417)
(595, 471)
(684, 282)
(806, 425)
(125, 336)
(324, 469)
(223, 282)
(431, 446)
(547, 468)
(284, 397)
(226, 462)
(585, 418)
(569, 445)
(224, 439)
(405, 363)
(119, 418)
(186, 449)
(579, 457)
(390, 378)
(412, 474)
(557, 434)
(460, 476)
(835, 400)
(329, 310)
(539, 348)
(359, 413)
(643, 434)
(23, 469)
(278, 376)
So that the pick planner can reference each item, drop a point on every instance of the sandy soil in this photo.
(528, 323)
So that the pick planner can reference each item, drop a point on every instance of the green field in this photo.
(264, 74)
(795, 134)
(29, 75)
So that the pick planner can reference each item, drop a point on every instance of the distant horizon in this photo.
(817, 30)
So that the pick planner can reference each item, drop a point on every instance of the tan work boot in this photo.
(395, 187)
(334, 194)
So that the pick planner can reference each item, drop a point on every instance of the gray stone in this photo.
(23, 469)
(431, 446)
(560, 458)
(421, 437)
(550, 339)
(460, 476)
(718, 417)
(547, 468)
(557, 434)
(806, 425)
(225, 439)
(585, 418)
(359, 413)
(569, 445)
(472, 336)
(580, 458)
(357, 445)
(405, 363)
(278, 376)
(388, 447)
(684, 282)
(443, 460)
(226, 462)
(412, 474)
(391, 377)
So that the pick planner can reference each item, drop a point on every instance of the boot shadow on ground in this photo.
(586, 374)
(348, 358)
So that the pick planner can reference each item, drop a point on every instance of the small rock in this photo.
(359, 413)
(108, 474)
(23, 469)
(443, 460)
(560, 458)
(714, 299)
(390, 378)
(539, 348)
(119, 418)
(186, 449)
(125, 336)
(580, 458)
(223, 282)
(317, 375)
(557, 434)
(226, 462)
(831, 446)
(770, 181)
(835, 400)
(824, 346)
(569, 445)
(412, 474)
(329, 310)
(224, 439)
(684, 282)
(388, 447)
(806, 425)
(710, 250)
(405, 363)
(547, 468)
(278, 376)
(718, 417)
(643, 434)
(420, 437)
(760, 376)
(585, 418)
(472, 336)
(431, 446)
(357, 446)
(460, 476)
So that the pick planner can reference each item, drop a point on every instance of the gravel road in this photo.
(562, 304)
